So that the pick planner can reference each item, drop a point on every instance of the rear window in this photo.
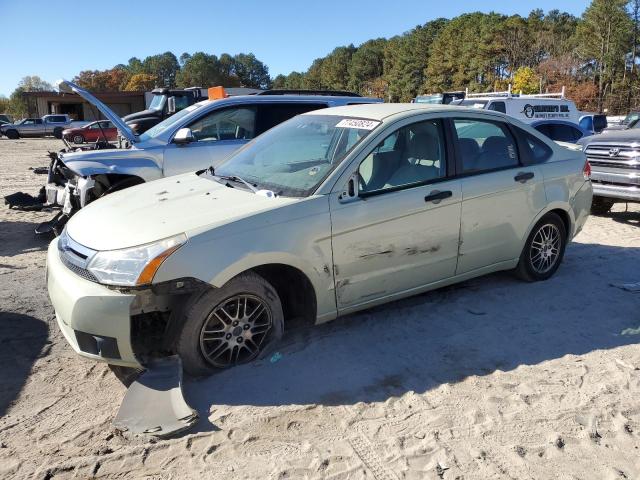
(57, 119)
(599, 123)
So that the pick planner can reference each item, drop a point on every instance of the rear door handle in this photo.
(522, 177)
(435, 196)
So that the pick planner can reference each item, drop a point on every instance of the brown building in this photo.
(45, 103)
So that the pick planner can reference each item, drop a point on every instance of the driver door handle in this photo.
(435, 196)
(522, 177)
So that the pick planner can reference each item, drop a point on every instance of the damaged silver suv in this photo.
(195, 138)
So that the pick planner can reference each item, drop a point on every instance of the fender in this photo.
(321, 278)
(144, 168)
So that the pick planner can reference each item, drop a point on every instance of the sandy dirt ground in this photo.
(493, 378)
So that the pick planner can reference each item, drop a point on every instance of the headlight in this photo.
(133, 266)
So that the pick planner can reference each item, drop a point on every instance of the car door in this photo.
(32, 128)
(401, 232)
(501, 195)
(217, 134)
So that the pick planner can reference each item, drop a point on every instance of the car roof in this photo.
(381, 111)
(293, 98)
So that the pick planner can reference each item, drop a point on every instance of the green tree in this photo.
(467, 53)
(367, 64)
(334, 71)
(164, 67)
(250, 71)
(604, 39)
(406, 59)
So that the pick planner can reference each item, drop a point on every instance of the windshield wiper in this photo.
(231, 178)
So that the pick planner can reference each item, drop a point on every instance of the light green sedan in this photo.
(331, 212)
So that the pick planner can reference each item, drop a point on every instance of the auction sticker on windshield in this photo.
(357, 123)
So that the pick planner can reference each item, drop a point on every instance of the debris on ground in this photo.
(154, 403)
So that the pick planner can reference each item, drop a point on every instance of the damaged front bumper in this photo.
(126, 327)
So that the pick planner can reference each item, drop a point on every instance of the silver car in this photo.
(331, 212)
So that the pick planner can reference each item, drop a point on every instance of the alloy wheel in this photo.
(235, 330)
(545, 248)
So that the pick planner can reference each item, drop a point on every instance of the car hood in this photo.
(125, 131)
(152, 211)
(631, 135)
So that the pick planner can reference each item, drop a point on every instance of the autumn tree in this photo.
(141, 82)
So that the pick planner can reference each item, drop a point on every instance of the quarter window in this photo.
(411, 155)
(534, 148)
(227, 124)
(484, 145)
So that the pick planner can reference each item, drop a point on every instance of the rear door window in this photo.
(272, 114)
(484, 145)
(234, 123)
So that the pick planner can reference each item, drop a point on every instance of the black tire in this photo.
(601, 205)
(57, 133)
(12, 134)
(78, 139)
(528, 268)
(225, 341)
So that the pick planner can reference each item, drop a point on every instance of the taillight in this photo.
(586, 171)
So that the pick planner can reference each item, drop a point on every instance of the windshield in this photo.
(631, 118)
(431, 99)
(473, 103)
(158, 102)
(168, 123)
(293, 158)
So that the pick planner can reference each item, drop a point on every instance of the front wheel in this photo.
(78, 139)
(12, 134)
(544, 249)
(231, 325)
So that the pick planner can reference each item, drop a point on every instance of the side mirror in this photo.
(171, 105)
(350, 190)
(184, 136)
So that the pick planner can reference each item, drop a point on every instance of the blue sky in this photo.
(58, 39)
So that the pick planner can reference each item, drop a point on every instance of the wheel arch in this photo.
(298, 284)
(560, 209)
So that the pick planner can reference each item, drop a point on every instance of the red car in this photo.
(91, 132)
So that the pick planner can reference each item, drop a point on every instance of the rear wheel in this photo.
(57, 133)
(78, 139)
(544, 249)
(231, 325)
(601, 205)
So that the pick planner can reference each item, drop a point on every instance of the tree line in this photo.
(594, 56)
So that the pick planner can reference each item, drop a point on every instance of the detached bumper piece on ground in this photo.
(154, 405)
